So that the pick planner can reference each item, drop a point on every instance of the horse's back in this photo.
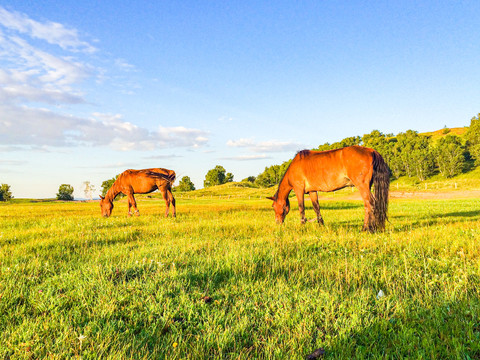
(144, 180)
(332, 169)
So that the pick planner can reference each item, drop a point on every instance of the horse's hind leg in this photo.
(169, 199)
(172, 200)
(316, 206)
(367, 197)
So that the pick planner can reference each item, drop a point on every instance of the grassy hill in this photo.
(459, 131)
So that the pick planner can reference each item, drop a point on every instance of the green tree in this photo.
(381, 143)
(395, 162)
(450, 155)
(65, 192)
(107, 184)
(5, 193)
(217, 176)
(229, 177)
(415, 154)
(250, 179)
(269, 177)
(185, 184)
(272, 175)
(473, 139)
(349, 141)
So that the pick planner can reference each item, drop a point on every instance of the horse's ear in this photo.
(271, 198)
(101, 197)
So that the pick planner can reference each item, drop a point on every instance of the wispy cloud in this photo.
(225, 119)
(247, 157)
(52, 32)
(42, 127)
(124, 65)
(161, 157)
(12, 162)
(29, 74)
(269, 146)
(36, 83)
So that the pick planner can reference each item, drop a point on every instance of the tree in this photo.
(473, 139)
(271, 175)
(107, 184)
(5, 193)
(185, 184)
(250, 179)
(450, 155)
(349, 141)
(88, 189)
(414, 153)
(217, 176)
(65, 192)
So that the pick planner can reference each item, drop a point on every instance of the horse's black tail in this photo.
(381, 181)
(168, 177)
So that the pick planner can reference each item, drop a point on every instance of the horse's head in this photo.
(281, 208)
(106, 206)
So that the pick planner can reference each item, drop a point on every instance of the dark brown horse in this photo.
(140, 182)
(312, 171)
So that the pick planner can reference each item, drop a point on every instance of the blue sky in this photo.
(91, 88)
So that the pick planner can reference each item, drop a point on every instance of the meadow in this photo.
(223, 281)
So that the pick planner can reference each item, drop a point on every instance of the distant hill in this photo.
(459, 131)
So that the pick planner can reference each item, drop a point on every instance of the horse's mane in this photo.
(303, 153)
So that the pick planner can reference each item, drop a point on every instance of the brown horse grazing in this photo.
(312, 171)
(140, 182)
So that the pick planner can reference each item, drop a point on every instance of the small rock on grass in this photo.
(316, 354)
(207, 299)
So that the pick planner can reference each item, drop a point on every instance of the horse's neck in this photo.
(284, 188)
(112, 192)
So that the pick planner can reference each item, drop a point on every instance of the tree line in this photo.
(407, 154)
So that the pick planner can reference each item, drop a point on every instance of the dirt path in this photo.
(457, 194)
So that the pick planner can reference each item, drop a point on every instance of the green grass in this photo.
(73, 284)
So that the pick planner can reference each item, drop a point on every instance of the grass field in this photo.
(73, 284)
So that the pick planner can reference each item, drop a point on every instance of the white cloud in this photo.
(124, 65)
(12, 162)
(225, 119)
(33, 81)
(51, 32)
(160, 157)
(42, 127)
(265, 146)
(247, 157)
(29, 74)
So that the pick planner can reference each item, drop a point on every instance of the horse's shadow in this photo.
(473, 213)
(404, 222)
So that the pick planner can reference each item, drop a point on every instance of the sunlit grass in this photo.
(75, 284)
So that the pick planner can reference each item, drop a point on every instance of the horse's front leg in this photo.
(132, 203)
(316, 206)
(301, 205)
